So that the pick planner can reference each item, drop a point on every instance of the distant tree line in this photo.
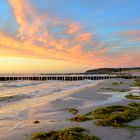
(111, 70)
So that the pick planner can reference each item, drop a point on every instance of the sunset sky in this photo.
(68, 35)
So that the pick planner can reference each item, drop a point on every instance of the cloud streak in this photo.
(43, 36)
(131, 35)
(26, 17)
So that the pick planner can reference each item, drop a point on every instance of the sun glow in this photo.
(31, 65)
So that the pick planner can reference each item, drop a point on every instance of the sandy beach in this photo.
(51, 111)
(69, 69)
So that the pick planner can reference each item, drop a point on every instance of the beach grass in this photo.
(134, 104)
(72, 110)
(81, 118)
(9, 98)
(116, 90)
(75, 133)
(136, 83)
(117, 83)
(114, 115)
(131, 96)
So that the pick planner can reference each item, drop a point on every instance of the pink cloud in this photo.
(83, 37)
(135, 40)
(36, 40)
(132, 33)
(73, 28)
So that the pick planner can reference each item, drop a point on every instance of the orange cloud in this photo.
(37, 41)
(84, 37)
(97, 58)
(131, 33)
(12, 47)
(135, 40)
(125, 59)
(73, 28)
(26, 17)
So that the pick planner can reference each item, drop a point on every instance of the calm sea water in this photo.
(11, 91)
(17, 96)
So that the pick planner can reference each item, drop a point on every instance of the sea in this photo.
(17, 96)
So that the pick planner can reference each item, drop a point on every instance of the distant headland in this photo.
(112, 70)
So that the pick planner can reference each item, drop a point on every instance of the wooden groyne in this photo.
(66, 77)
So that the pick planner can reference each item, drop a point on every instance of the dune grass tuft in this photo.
(114, 115)
(117, 83)
(136, 83)
(10, 98)
(72, 110)
(81, 118)
(75, 133)
(134, 104)
(116, 90)
(131, 96)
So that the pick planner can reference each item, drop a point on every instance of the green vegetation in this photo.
(117, 83)
(72, 110)
(134, 104)
(131, 126)
(75, 133)
(81, 118)
(36, 122)
(131, 96)
(115, 115)
(136, 83)
(105, 112)
(117, 118)
(116, 90)
(113, 70)
(9, 98)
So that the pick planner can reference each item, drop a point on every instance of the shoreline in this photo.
(23, 106)
(53, 115)
(50, 97)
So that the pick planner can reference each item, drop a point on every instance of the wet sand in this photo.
(53, 114)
